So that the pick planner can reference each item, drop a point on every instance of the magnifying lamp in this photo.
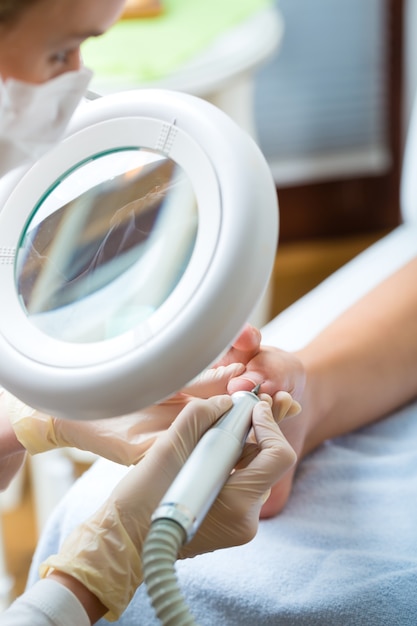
(131, 254)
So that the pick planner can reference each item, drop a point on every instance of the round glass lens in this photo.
(106, 245)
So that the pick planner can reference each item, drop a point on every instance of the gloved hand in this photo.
(121, 439)
(125, 439)
(104, 553)
(12, 455)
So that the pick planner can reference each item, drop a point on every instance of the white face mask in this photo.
(34, 117)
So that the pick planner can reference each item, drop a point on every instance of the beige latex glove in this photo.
(104, 553)
(121, 439)
(12, 455)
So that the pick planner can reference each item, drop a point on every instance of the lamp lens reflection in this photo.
(106, 245)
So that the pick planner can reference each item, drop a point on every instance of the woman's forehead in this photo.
(48, 27)
(78, 17)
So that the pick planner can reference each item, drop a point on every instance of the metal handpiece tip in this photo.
(256, 389)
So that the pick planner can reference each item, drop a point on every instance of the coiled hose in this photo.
(160, 552)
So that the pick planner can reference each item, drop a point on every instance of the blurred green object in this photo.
(146, 50)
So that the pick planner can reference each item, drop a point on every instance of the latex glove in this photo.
(104, 553)
(233, 518)
(12, 455)
(121, 439)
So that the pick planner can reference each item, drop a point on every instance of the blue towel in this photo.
(343, 552)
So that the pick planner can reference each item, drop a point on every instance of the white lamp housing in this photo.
(225, 275)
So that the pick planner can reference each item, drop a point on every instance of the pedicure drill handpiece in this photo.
(208, 467)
